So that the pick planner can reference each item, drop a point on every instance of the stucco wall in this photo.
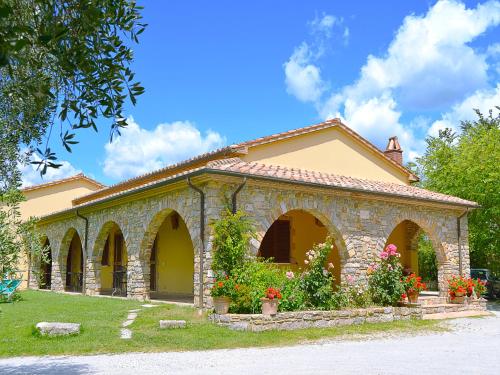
(175, 259)
(330, 151)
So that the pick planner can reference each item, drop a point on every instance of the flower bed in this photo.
(315, 319)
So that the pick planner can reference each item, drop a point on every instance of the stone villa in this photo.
(149, 236)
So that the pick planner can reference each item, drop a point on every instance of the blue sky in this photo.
(221, 72)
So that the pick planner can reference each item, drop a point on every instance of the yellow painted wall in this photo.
(53, 198)
(399, 237)
(107, 271)
(330, 151)
(175, 259)
(305, 232)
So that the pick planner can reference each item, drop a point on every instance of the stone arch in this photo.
(94, 262)
(417, 224)
(150, 234)
(62, 256)
(264, 222)
(311, 207)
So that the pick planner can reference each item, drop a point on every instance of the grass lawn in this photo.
(101, 320)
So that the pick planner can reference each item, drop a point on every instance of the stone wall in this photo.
(359, 224)
(315, 319)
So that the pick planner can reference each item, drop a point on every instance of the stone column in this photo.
(137, 278)
(58, 276)
(92, 284)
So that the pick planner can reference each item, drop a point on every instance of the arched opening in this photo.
(113, 261)
(171, 259)
(418, 252)
(293, 234)
(45, 278)
(74, 265)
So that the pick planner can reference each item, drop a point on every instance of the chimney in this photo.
(393, 150)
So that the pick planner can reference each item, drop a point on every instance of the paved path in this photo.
(472, 347)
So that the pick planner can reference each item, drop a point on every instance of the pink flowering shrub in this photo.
(384, 278)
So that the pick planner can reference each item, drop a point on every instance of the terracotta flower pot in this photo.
(269, 306)
(413, 297)
(459, 298)
(221, 305)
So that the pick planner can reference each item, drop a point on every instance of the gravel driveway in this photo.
(472, 347)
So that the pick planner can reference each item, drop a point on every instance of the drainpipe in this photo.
(84, 260)
(459, 235)
(202, 238)
(235, 194)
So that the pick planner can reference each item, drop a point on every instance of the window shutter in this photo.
(282, 242)
(276, 242)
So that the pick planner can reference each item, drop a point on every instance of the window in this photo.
(276, 242)
(105, 254)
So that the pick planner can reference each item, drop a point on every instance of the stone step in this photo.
(456, 314)
(432, 300)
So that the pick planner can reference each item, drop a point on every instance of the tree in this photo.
(467, 165)
(63, 65)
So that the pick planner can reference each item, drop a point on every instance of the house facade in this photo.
(150, 236)
(49, 197)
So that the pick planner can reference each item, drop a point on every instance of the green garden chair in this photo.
(4, 284)
(10, 288)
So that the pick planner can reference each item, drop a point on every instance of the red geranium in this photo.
(413, 284)
(273, 293)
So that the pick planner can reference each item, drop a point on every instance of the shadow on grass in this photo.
(54, 367)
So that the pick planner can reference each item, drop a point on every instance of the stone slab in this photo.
(172, 324)
(58, 328)
(457, 314)
(125, 334)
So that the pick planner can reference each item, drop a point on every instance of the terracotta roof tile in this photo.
(376, 187)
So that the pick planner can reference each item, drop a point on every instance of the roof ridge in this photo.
(61, 180)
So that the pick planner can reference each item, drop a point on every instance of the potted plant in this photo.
(479, 287)
(270, 301)
(457, 289)
(221, 293)
(413, 286)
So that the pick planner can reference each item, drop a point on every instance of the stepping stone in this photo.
(132, 316)
(134, 311)
(125, 334)
(58, 329)
(148, 305)
(172, 324)
(127, 323)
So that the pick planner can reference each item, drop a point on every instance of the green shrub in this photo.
(294, 297)
(385, 285)
(317, 281)
(232, 234)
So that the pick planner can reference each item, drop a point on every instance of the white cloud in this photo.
(303, 79)
(429, 66)
(302, 74)
(138, 150)
(483, 100)
(31, 176)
